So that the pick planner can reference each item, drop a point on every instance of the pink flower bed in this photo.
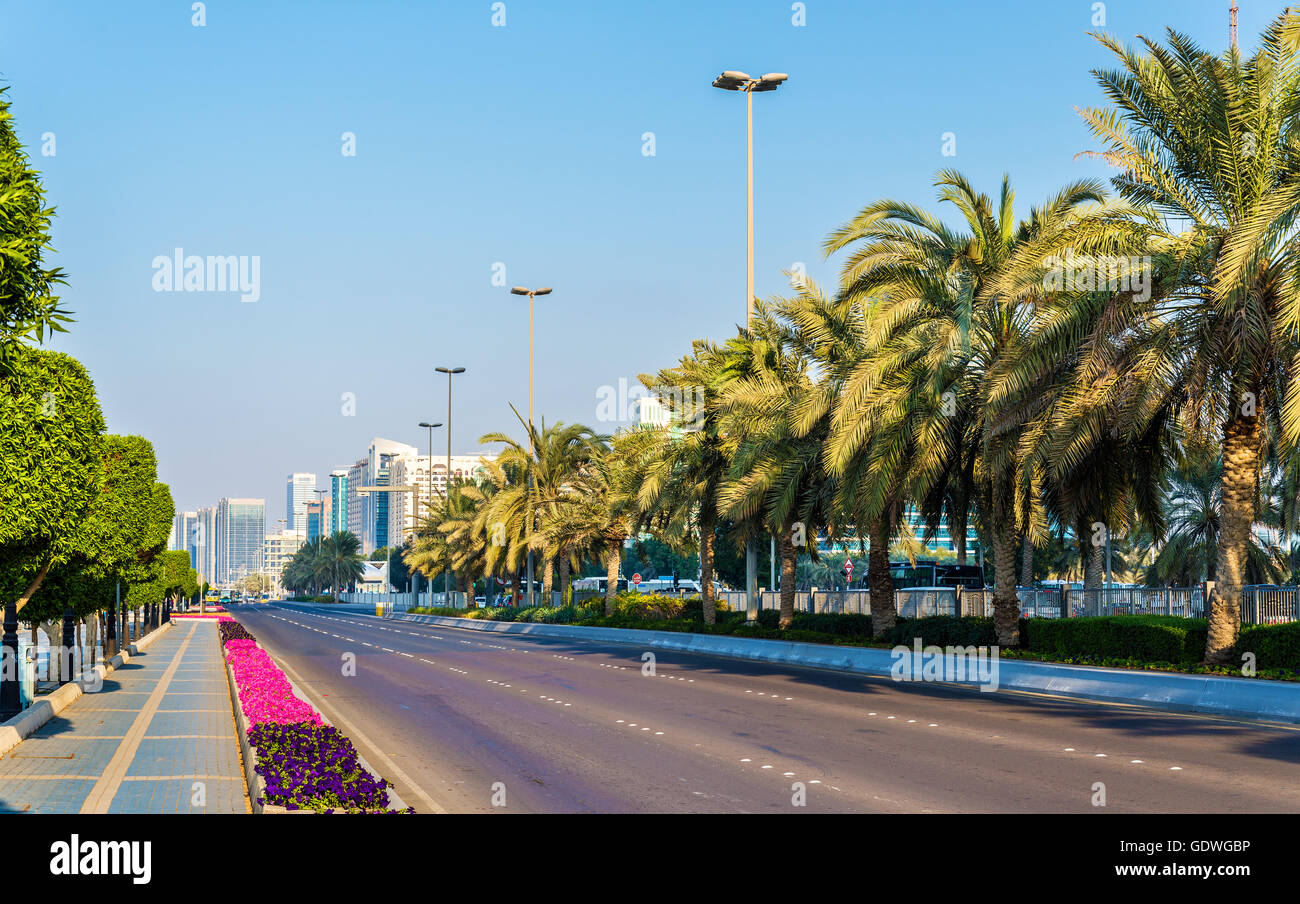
(264, 692)
(179, 615)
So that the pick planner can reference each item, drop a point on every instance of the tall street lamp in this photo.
(531, 293)
(449, 371)
(320, 525)
(428, 473)
(731, 80)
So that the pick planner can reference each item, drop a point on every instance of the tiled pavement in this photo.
(158, 738)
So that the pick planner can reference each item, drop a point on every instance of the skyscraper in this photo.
(297, 493)
(315, 520)
(371, 522)
(204, 547)
(182, 535)
(241, 537)
(338, 518)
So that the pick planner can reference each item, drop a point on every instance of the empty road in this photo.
(455, 717)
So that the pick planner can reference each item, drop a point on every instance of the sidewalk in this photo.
(158, 738)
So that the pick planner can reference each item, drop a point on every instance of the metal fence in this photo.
(400, 602)
(1268, 605)
(1260, 605)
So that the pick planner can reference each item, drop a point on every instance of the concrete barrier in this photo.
(1249, 698)
(45, 707)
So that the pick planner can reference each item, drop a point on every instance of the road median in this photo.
(1246, 698)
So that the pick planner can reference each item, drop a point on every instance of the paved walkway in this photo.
(158, 738)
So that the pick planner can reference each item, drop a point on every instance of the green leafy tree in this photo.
(28, 306)
(51, 434)
(119, 534)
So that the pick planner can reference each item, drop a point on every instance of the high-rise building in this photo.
(352, 505)
(416, 470)
(241, 538)
(338, 514)
(315, 520)
(374, 471)
(204, 548)
(277, 550)
(182, 535)
(297, 493)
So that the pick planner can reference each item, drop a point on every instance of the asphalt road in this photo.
(452, 716)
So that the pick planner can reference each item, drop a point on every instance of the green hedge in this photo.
(1154, 638)
(1132, 640)
(1274, 646)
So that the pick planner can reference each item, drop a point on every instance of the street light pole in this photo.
(320, 523)
(532, 481)
(449, 371)
(428, 473)
(731, 80)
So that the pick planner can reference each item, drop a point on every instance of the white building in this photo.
(277, 550)
(415, 470)
(298, 491)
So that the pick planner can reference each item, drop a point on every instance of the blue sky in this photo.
(477, 145)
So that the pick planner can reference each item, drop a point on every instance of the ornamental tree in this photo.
(28, 306)
(120, 525)
(51, 444)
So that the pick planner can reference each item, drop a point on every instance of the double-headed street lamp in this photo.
(531, 293)
(449, 371)
(428, 472)
(731, 80)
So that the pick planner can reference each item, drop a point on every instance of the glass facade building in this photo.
(241, 538)
(298, 491)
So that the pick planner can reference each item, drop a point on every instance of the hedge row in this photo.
(1133, 639)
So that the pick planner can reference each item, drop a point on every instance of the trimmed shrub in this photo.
(943, 631)
(1274, 646)
(1138, 637)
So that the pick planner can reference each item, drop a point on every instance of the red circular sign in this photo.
(636, 578)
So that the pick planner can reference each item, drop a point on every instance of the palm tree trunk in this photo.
(789, 559)
(707, 596)
(612, 560)
(564, 576)
(1027, 563)
(958, 521)
(517, 585)
(1241, 442)
(884, 613)
(1006, 606)
(548, 581)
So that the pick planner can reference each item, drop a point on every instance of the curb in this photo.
(47, 706)
(254, 782)
(1248, 698)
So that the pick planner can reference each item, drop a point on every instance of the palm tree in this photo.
(1208, 143)
(775, 421)
(1189, 553)
(502, 519)
(921, 398)
(340, 559)
(678, 480)
(596, 512)
(538, 476)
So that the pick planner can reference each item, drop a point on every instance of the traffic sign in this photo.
(848, 565)
(636, 578)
